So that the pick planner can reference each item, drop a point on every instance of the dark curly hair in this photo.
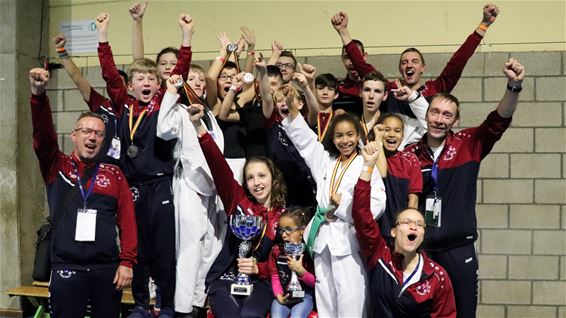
(328, 140)
(278, 186)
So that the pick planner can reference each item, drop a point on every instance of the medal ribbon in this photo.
(322, 131)
(364, 127)
(335, 184)
(192, 97)
(80, 184)
(134, 127)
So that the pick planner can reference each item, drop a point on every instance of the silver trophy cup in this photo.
(245, 227)
(294, 289)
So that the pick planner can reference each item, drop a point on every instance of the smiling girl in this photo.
(330, 236)
(404, 281)
(262, 194)
(403, 178)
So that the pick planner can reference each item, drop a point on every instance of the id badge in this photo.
(433, 211)
(114, 149)
(86, 225)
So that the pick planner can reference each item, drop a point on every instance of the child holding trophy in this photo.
(290, 268)
(256, 204)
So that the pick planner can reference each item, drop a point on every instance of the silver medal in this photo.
(133, 151)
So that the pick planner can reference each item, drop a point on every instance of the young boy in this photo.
(147, 164)
(326, 93)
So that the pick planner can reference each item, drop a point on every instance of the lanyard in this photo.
(322, 132)
(80, 184)
(412, 274)
(334, 184)
(115, 127)
(434, 174)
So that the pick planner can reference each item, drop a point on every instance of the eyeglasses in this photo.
(289, 229)
(225, 77)
(288, 66)
(415, 223)
(88, 131)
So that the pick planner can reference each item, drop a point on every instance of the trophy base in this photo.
(242, 290)
(297, 294)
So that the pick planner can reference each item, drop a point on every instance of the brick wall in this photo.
(521, 202)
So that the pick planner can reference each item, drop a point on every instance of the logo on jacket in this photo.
(423, 289)
(104, 118)
(283, 139)
(65, 273)
(102, 181)
(135, 193)
(450, 153)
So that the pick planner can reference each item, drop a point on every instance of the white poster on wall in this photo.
(81, 36)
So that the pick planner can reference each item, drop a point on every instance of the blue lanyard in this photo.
(434, 174)
(92, 182)
(413, 273)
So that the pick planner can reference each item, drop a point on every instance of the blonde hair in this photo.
(142, 65)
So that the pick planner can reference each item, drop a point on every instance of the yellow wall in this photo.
(304, 26)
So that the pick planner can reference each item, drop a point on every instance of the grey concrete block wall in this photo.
(521, 205)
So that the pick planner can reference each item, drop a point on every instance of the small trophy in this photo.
(294, 288)
(245, 227)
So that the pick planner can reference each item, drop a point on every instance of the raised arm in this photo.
(226, 112)
(169, 116)
(276, 49)
(44, 137)
(453, 70)
(249, 38)
(310, 98)
(515, 73)
(213, 73)
(136, 12)
(264, 87)
(185, 52)
(309, 72)
(229, 191)
(74, 72)
(306, 142)
(381, 163)
(413, 129)
(367, 231)
(114, 85)
(490, 12)
(340, 23)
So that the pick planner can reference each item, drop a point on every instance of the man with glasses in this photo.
(87, 200)
(450, 164)
(287, 63)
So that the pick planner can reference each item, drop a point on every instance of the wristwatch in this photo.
(514, 89)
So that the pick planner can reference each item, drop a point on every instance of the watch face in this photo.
(248, 78)
(232, 47)
(514, 89)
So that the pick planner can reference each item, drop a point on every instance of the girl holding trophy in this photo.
(254, 211)
(330, 235)
(290, 269)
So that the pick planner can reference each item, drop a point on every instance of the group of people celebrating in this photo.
(356, 170)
